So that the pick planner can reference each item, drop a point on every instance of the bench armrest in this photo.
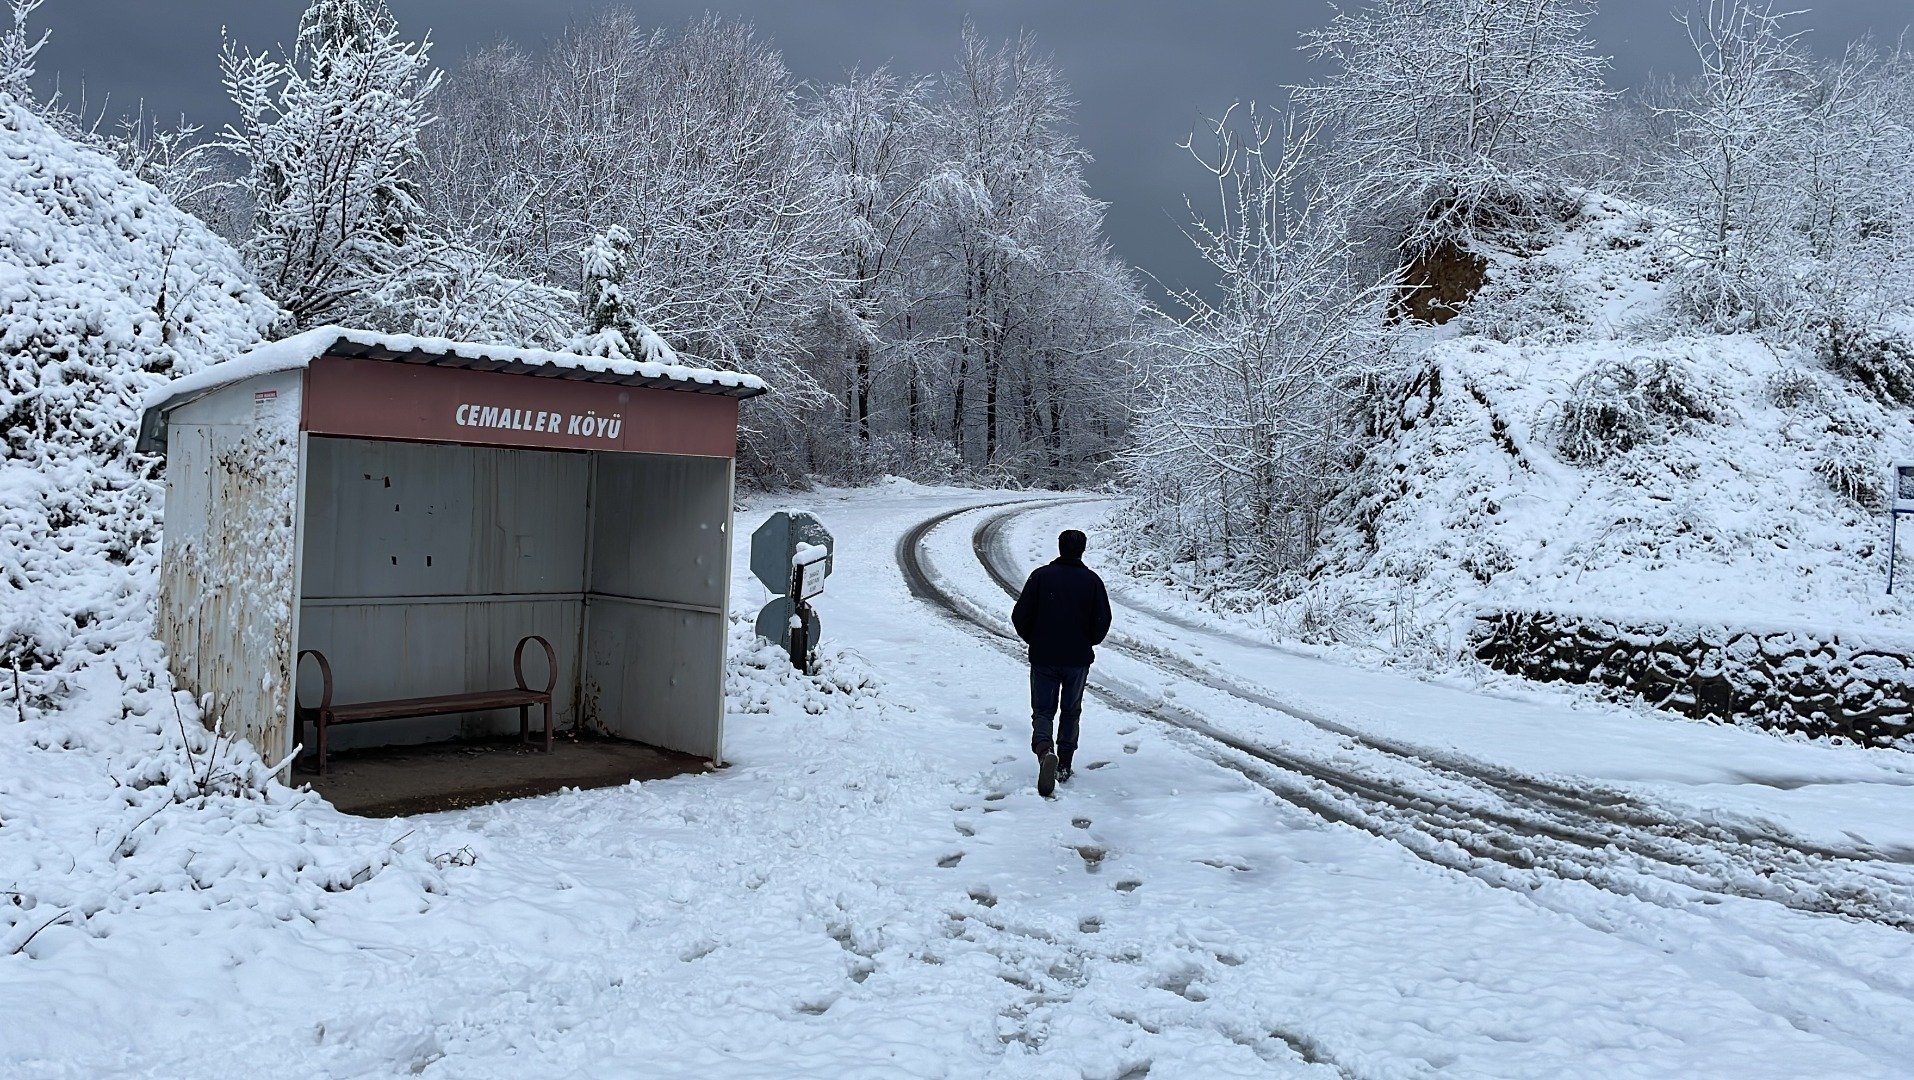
(325, 678)
(551, 663)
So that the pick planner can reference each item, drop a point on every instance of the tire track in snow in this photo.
(1051, 956)
(1462, 813)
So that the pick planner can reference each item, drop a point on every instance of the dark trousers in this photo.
(1049, 687)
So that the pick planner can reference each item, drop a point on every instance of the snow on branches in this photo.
(329, 139)
(1446, 114)
(1248, 414)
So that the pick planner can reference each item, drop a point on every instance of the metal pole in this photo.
(1893, 534)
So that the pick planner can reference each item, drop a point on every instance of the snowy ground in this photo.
(873, 889)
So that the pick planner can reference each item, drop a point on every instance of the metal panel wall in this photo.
(397, 519)
(658, 528)
(228, 578)
(655, 674)
(655, 615)
(425, 564)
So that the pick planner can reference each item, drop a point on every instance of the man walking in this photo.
(1062, 612)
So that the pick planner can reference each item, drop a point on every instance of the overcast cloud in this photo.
(1143, 72)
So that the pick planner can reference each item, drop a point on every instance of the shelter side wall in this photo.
(426, 563)
(655, 633)
(228, 579)
(659, 529)
(650, 672)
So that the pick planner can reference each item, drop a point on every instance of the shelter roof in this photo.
(660, 369)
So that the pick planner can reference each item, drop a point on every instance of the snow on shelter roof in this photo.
(659, 369)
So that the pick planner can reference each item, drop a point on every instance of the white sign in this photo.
(811, 578)
(1903, 487)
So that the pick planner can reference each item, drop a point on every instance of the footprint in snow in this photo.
(1089, 924)
(1081, 823)
(964, 829)
(1092, 857)
(949, 861)
(1131, 730)
(1128, 886)
(1129, 748)
(1097, 765)
(984, 896)
(995, 726)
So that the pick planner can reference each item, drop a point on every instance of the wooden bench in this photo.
(522, 697)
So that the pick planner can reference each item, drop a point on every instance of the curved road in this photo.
(1495, 823)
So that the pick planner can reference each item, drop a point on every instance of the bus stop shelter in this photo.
(414, 509)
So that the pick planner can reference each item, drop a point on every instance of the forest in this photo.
(916, 264)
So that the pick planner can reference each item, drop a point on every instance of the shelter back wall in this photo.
(424, 565)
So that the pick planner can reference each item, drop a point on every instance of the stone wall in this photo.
(1785, 680)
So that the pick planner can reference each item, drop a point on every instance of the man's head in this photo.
(1070, 544)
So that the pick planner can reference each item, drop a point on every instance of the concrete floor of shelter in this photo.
(398, 781)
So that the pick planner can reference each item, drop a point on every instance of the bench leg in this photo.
(524, 724)
(548, 725)
(322, 725)
(298, 735)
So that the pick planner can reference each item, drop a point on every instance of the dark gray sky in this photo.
(1143, 71)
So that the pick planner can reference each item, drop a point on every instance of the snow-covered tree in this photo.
(1727, 174)
(1248, 405)
(1444, 115)
(1010, 174)
(613, 325)
(870, 137)
(329, 143)
(18, 49)
(1853, 181)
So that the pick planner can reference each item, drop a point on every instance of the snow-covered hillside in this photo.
(106, 290)
(1556, 447)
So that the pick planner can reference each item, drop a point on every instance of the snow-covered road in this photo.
(872, 888)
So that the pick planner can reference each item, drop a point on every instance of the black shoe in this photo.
(1047, 774)
(1064, 773)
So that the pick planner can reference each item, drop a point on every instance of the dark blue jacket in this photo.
(1062, 611)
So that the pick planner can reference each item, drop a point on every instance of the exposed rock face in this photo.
(1437, 282)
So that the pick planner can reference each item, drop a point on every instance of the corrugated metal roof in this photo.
(659, 371)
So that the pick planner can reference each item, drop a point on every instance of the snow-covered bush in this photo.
(1880, 359)
(924, 461)
(1851, 468)
(1526, 300)
(1849, 456)
(1619, 404)
(1793, 388)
